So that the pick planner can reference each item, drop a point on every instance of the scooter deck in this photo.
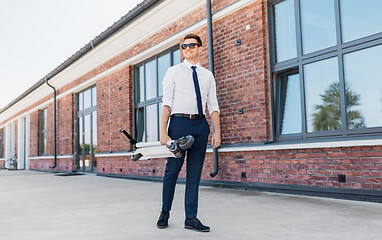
(144, 151)
(154, 152)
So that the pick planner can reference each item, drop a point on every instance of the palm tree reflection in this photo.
(327, 116)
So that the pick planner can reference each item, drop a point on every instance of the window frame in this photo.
(297, 64)
(138, 105)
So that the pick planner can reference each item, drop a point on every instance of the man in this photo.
(187, 87)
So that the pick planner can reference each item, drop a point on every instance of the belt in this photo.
(190, 116)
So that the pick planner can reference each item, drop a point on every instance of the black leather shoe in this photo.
(195, 224)
(163, 220)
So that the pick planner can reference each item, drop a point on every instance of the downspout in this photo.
(54, 123)
(215, 160)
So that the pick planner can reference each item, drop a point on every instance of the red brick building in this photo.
(298, 86)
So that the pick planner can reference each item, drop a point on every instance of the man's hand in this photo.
(215, 140)
(164, 138)
(166, 112)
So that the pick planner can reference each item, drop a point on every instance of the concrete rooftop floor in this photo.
(40, 205)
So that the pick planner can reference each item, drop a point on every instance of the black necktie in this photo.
(197, 91)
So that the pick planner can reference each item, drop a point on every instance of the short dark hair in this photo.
(194, 36)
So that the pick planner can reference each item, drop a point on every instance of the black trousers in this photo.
(199, 129)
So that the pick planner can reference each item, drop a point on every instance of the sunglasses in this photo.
(190, 45)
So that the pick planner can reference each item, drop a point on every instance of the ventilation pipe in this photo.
(215, 160)
(54, 123)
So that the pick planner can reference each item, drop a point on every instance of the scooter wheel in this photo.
(185, 142)
(136, 157)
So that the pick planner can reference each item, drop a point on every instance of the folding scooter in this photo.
(144, 151)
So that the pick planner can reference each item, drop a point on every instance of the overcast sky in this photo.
(36, 36)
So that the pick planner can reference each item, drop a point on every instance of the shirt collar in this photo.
(189, 65)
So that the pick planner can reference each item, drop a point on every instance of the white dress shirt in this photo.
(179, 91)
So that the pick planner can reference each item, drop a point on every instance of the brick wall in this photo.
(34, 136)
(65, 125)
(241, 76)
(309, 167)
(63, 164)
(242, 82)
(114, 110)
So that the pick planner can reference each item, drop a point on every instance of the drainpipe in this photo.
(54, 123)
(215, 160)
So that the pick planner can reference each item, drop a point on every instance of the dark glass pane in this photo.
(322, 94)
(164, 62)
(140, 125)
(80, 101)
(151, 79)
(289, 104)
(87, 98)
(318, 25)
(360, 18)
(285, 30)
(94, 96)
(176, 57)
(363, 80)
(152, 123)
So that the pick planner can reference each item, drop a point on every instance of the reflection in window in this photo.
(289, 104)
(94, 96)
(322, 94)
(151, 79)
(317, 25)
(364, 87)
(152, 123)
(360, 18)
(164, 62)
(139, 73)
(176, 56)
(285, 31)
(87, 98)
(81, 101)
(141, 135)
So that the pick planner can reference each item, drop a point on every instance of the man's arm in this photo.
(165, 116)
(215, 140)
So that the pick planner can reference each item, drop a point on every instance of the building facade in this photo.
(298, 86)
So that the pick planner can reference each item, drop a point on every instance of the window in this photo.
(87, 129)
(2, 143)
(324, 61)
(148, 93)
(43, 131)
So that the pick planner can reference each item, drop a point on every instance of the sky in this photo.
(36, 36)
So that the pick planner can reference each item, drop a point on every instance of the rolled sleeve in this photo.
(168, 84)
(212, 101)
